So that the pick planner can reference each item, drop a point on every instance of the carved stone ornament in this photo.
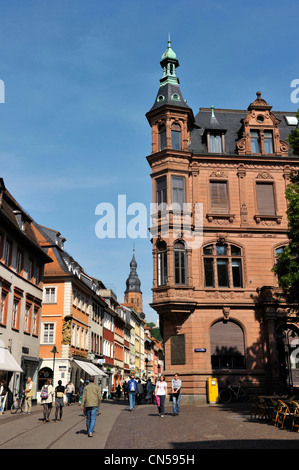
(226, 312)
(264, 175)
(218, 174)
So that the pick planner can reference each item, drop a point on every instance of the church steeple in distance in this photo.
(133, 294)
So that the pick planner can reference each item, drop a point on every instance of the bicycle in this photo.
(234, 392)
(18, 402)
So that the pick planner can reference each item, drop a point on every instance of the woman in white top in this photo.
(48, 400)
(161, 392)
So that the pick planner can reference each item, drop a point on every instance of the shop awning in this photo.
(8, 362)
(90, 368)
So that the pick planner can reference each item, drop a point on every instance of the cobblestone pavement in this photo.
(197, 427)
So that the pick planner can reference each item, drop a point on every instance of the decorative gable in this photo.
(261, 131)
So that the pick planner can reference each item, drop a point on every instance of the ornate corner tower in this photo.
(171, 120)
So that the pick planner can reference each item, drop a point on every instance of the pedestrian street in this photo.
(197, 427)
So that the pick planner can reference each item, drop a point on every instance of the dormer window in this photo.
(255, 142)
(261, 131)
(215, 143)
(268, 142)
(176, 136)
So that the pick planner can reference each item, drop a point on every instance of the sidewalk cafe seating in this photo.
(295, 417)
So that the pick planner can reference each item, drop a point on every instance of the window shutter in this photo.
(219, 197)
(265, 198)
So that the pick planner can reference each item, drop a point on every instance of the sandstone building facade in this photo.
(216, 302)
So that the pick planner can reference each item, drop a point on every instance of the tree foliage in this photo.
(155, 332)
(287, 266)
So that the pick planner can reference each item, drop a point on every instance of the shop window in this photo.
(227, 346)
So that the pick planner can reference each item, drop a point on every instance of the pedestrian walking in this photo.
(118, 392)
(140, 392)
(176, 385)
(29, 393)
(59, 401)
(70, 390)
(149, 391)
(161, 393)
(132, 392)
(91, 400)
(47, 397)
(125, 390)
(3, 395)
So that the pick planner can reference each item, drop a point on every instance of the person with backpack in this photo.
(47, 396)
(132, 392)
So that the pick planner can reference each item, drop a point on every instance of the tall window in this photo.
(50, 295)
(161, 190)
(3, 306)
(30, 269)
(27, 318)
(219, 197)
(48, 333)
(265, 198)
(19, 262)
(222, 266)
(255, 142)
(176, 136)
(179, 262)
(178, 190)
(15, 314)
(162, 137)
(215, 143)
(7, 253)
(268, 142)
(227, 346)
(162, 263)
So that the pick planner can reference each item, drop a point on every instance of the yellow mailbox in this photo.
(212, 390)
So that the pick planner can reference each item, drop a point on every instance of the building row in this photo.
(58, 322)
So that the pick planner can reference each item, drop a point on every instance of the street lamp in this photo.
(54, 351)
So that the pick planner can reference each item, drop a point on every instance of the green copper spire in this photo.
(169, 64)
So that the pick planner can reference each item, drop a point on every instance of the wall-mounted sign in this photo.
(200, 350)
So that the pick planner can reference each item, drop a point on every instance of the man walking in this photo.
(176, 385)
(132, 392)
(29, 393)
(91, 399)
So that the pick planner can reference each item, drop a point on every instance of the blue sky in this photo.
(81, 74)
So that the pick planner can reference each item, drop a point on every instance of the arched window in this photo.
(162, 263)
(223, 265)
(176, 136)
(162, 137)
(227, 345)
(180, 271)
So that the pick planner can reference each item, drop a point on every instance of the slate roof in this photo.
(19, 221)
(230, 120)
(167, 91)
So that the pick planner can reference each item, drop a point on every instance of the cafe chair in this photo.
(284, 413)
(295, 417)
